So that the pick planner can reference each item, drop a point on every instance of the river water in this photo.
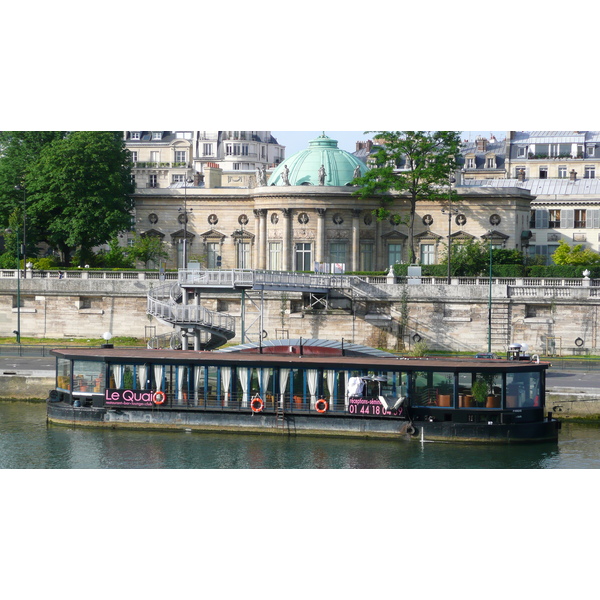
(27, 442)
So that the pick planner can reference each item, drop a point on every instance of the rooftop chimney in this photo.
(573, 175)
(361, 145)
(481, 144)
(521, 175)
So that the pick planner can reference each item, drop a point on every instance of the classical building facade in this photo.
(164, 158)
(307, 217)
(559, 169)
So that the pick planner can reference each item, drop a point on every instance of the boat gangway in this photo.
(264, 280)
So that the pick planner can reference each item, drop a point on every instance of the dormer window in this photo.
(522, 152)
(134, 135)
(591, 150)
(470, 162)
(157, 135)
(490, 161)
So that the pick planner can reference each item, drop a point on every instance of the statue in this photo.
(258, 176)
(285, 175)
(322, 175)
(356, 174)
(263, 176)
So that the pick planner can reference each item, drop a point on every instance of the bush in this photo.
(45, 264)
(564, 271)
(8, 260)
(508, 271)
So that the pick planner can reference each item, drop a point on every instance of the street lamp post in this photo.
(490, 299)
(24, 250)
(450, 212)
(18, 330)
(185, 220)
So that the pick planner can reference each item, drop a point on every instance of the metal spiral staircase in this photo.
(165, 303)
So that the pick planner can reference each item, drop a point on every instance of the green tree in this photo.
(79, 191)
(469, 258)
(427, 160)
(575, 255)
(116, 257)
(18, 151)
(148, 248)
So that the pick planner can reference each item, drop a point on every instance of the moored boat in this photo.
(312, 388)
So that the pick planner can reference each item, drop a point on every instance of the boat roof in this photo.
(296, 361)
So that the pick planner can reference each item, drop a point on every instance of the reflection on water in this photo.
(26, 442)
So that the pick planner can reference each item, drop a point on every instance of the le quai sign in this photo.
(125, 398)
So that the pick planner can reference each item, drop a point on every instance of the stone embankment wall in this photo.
(555, 317)
(26, 386)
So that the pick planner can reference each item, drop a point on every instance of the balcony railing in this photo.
(161, 165)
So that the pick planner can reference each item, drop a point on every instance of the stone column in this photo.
(262, 238)
(257, 241)
(286, 250)
(320, 245)
(379, 259)
(354, 263)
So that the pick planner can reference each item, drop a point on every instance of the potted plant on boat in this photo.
(483, 391)
(480, 391)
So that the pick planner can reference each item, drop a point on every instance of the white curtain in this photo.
(118, 375)
(263, 381)
(198, 387)
(180, 382)
(346, 379)
(284, 375)
(311, 379)
(158, 376)
(225, 382)
(243, 377)
(330, 379)
(142, 375)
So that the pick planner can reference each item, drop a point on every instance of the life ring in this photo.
(159, 398)
(257, 405)
(536, 359)
(410, 430)
(321, 405)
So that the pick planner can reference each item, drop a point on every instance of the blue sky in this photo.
(295, 141)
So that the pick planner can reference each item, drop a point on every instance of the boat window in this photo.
(480, 390)
(184, 385)
(63, 374)
(432, 389)
(88, 376)
(523, 390)
(392, 389)
(129, 377)
(211, 385)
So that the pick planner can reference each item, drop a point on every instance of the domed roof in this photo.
(304, 166)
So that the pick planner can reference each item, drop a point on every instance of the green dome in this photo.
(304, 165)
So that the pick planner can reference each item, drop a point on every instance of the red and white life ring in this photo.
(159, 398)
(257, 405)
(321, 405)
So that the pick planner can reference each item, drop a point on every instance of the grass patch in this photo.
(116, 341)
